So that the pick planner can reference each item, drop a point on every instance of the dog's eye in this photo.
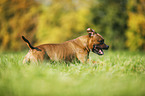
(101, 41)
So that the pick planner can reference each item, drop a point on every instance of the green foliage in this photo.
(136, 23)
(116, 73)
(61, 21)
(109, 18)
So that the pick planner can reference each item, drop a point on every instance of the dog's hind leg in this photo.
(30, 58)
(27, 58)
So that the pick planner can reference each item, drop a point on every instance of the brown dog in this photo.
(78, 48)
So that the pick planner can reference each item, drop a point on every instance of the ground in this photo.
(115, 73)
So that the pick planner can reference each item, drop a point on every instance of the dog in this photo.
(68, 51)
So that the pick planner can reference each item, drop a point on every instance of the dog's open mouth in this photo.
(98, 51)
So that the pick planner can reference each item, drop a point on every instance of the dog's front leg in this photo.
(82, 56)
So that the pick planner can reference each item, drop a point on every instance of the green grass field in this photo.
(116, 73)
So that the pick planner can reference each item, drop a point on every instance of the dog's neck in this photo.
(84, 42)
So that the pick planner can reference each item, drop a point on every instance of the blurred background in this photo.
(120, 22)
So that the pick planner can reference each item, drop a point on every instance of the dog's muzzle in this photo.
(98, 49)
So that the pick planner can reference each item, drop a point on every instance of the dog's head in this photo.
(96, 42)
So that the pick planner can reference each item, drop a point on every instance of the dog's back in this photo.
(64, 51)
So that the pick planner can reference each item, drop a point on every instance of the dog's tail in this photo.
(29, 45)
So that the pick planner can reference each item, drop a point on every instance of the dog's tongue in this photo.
(101, 52)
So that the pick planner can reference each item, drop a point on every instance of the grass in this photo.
(115, 73)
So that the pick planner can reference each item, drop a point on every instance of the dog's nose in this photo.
(107, 47)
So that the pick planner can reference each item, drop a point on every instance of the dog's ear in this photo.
(91, 32)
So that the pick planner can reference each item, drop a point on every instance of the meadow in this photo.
(116, 73)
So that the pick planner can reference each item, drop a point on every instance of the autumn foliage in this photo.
(121, 22)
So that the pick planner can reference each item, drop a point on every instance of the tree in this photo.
(17, 18)
(109, 18)
(62, 20)
(136, 25)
